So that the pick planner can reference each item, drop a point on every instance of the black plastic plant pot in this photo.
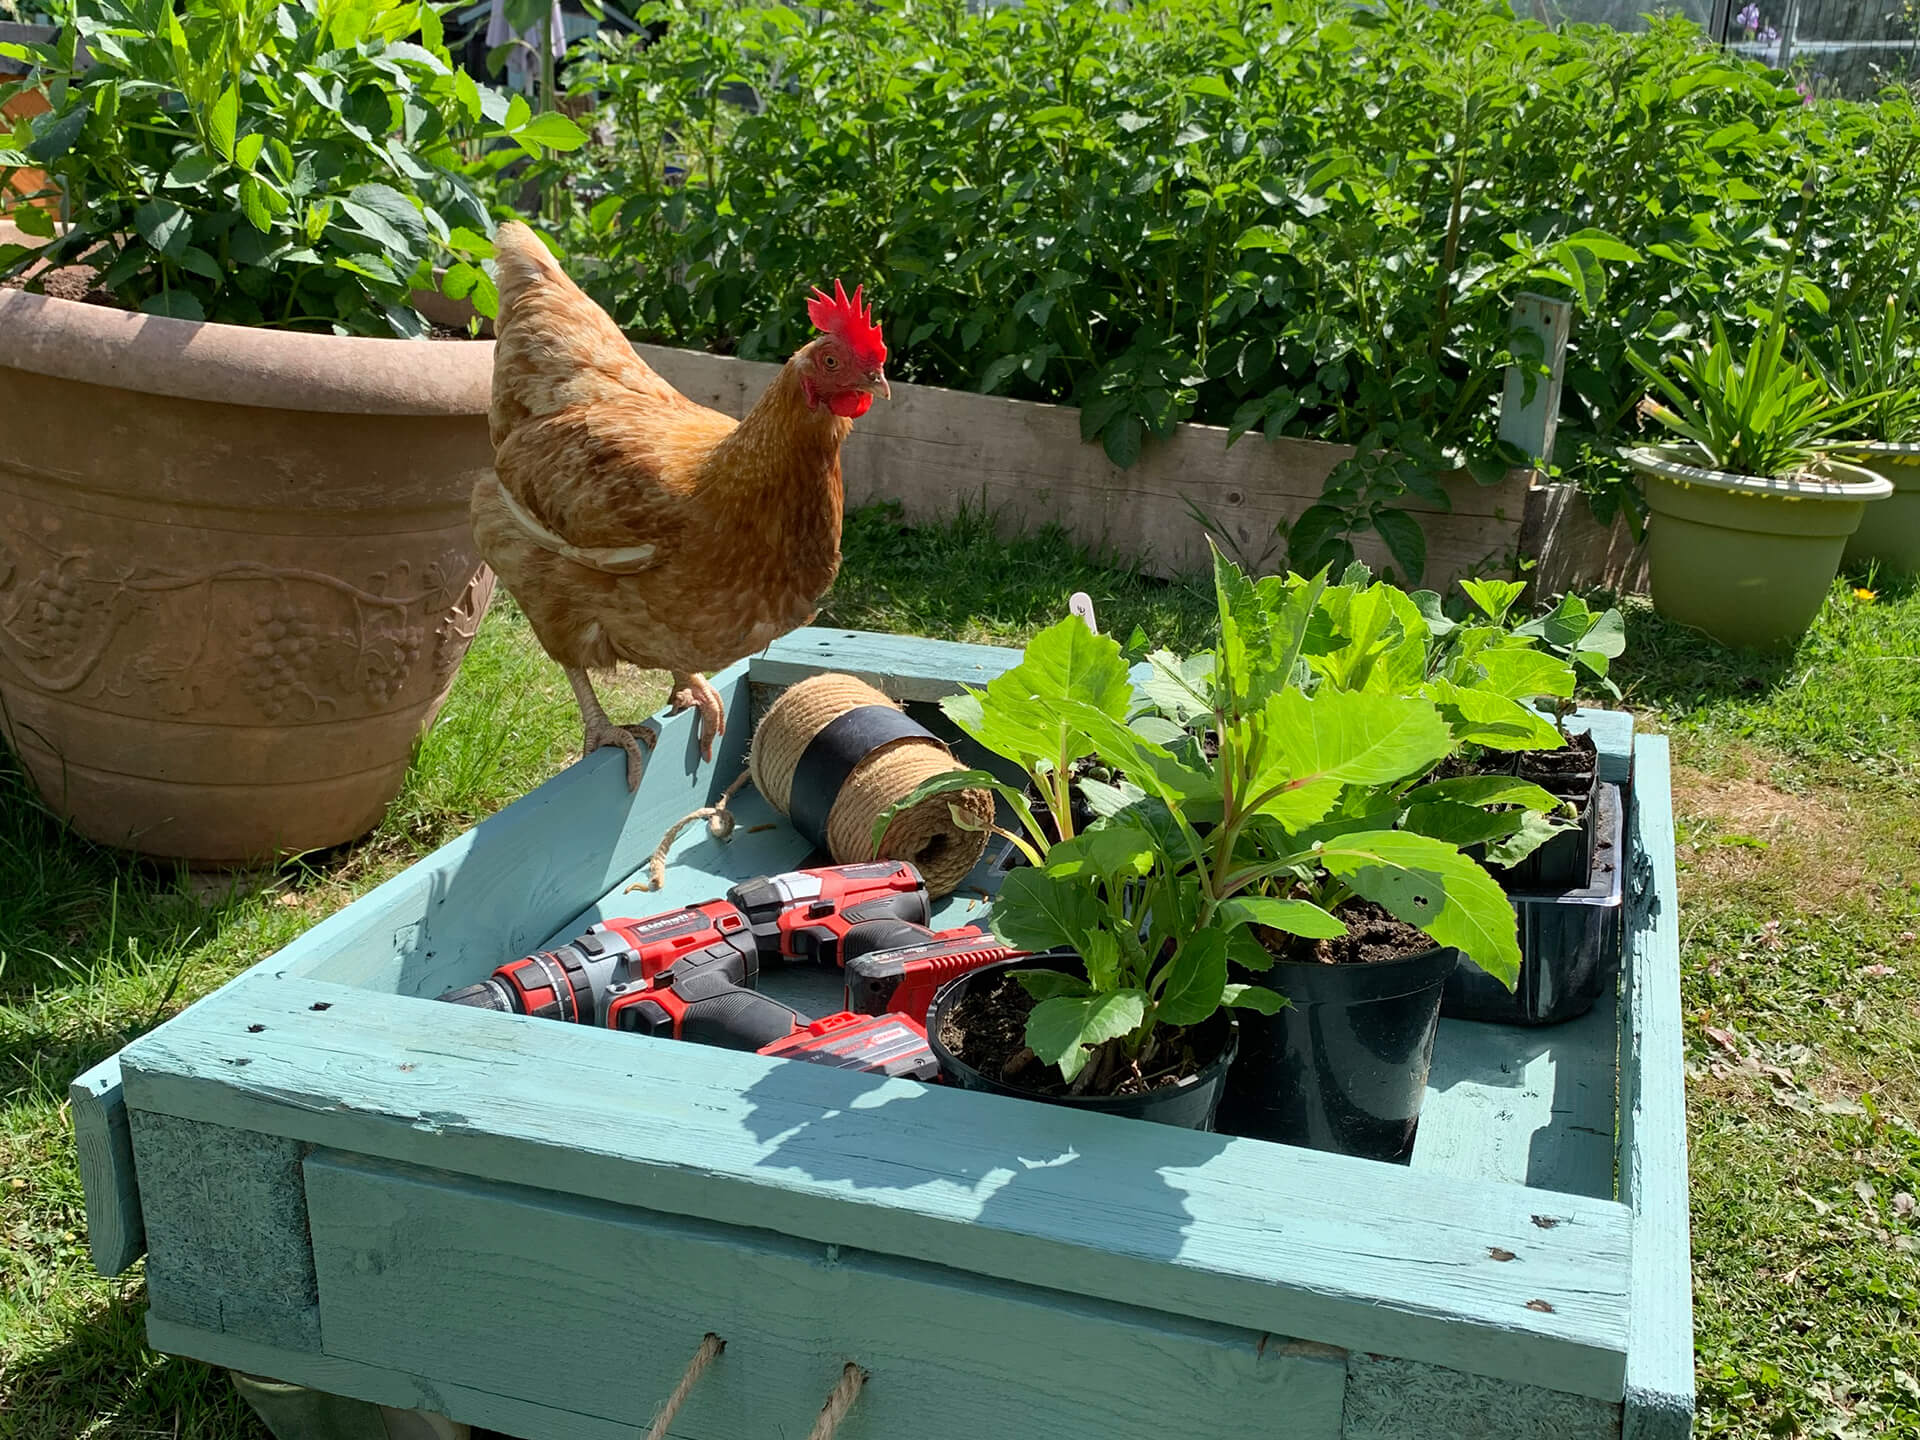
(1564, 861)
(1569, 940)
(1189, 1102)
(1344, 1066)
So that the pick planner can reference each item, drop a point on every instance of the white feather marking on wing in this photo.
(614, 560)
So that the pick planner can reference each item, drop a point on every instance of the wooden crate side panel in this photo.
(1653, 1118)
(116, 1235)
(226, 1222)
(476, 1285)
(498, 890)
(1236, 1232)
(1404, 1400)
(934, 450)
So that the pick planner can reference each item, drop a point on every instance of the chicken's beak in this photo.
(879, 382)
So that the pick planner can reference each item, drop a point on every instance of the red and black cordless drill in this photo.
(690, 973)
(571, 981)
(706, 997)
(822, 916)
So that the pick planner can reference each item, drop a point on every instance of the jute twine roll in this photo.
(926, 835)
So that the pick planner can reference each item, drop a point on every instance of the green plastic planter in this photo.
(1748, 560)
(1892, 539)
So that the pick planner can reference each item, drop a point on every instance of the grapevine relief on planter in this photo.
(284, 643)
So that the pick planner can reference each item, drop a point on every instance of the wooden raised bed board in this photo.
(530, 1226)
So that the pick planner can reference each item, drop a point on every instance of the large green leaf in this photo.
(1254, 997)
(1038, 911)
(1429, 883)
(1522, 674)
(1479, 717)
(1353, 737)
(1063, 1030)
(1106, 850)
(1296, 917)
(1067, 661)
(1485, 790)
(1461, 825)
(1191, 983)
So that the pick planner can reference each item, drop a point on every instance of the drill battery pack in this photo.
(905, 980)
(891, 1045)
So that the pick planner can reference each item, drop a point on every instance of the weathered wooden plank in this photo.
(116, 1236)
(1530, 420)
(496, 891)
(1533, 1106)
(1573, 551)
(226, 1223)
(904, 666)
(934, 450)
(381, 1384)
(417, 1270)
(1233, 1231)
(1405, 1400)
(1653, 1117)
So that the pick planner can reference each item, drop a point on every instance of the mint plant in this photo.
(1238, 849)
(262, 162)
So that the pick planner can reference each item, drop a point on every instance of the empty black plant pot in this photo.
(1569, 940)
(1344, 1066)
(1189, 1102)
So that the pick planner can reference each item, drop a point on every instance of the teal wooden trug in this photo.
(530, 1226)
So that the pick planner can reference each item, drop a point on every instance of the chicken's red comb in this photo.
(849, 323)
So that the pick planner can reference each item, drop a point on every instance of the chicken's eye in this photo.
(832, 362)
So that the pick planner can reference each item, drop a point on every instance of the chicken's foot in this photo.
(693, 692)
(636, 740)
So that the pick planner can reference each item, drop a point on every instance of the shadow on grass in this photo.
(103, 1382)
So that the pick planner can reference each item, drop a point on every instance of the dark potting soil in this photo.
(1577, 757)
(987, 1029)
(1372, 935)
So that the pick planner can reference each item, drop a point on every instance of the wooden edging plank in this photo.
(116, 1234)
(1653, 1117)
(1485, 1278)
(933, 449)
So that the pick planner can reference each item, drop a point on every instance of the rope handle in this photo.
(825, 1426)
(719, 825)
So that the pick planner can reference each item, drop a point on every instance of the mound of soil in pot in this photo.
(1372, 935)
(1577, 757)
(987, 1030)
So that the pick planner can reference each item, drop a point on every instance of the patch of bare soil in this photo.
(1739, 830)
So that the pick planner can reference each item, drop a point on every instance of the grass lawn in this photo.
(1799, 798)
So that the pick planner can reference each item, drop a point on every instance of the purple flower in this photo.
(1805, 87)
(1768, 35)
(1748, 19)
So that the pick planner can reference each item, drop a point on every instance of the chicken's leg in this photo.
(692, 692)
(635, 739)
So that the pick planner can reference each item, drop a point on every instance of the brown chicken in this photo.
(632, 524)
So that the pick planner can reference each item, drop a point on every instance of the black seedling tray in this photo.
(1569, 939)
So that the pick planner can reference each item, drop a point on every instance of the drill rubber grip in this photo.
(738, 1020)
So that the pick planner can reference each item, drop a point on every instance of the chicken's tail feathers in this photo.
(521, 262)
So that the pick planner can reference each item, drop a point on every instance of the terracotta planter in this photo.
(236, 577)
(1892, 538)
